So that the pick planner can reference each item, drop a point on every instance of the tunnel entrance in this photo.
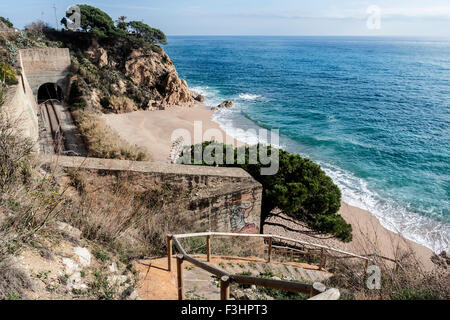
(49, 91)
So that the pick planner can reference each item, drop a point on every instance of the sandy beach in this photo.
(153, 130)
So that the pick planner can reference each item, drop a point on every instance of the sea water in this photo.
(373, 112)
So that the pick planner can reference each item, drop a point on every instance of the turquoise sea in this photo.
(373, 112)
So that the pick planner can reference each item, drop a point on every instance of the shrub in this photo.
(150, 34)
(15, 152)
(8, 74)
(300, 189)
(36, 28)
(94, 20)
(410, 282)
(6, 22)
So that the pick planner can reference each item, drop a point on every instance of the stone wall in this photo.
(219, 199)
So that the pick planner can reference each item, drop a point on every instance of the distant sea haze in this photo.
(373, 112)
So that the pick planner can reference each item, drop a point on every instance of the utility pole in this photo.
(56, 18)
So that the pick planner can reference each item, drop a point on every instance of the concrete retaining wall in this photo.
(220, 199)
(21, 107)
(43, 65)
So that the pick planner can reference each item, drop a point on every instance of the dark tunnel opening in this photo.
(49, 91)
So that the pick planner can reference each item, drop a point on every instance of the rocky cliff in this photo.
(119, 78)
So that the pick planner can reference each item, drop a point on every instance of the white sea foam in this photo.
(393, 216)
(249, 96)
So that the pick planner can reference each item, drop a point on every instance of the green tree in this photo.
(145, 31)
(300, 188)
(121, 23)
(6, 22)
(95, 21)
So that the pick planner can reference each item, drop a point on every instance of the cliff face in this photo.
(157, 71)
(110, 77)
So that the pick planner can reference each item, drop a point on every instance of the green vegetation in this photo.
(411, 294)
(6, 22)
(262, 292)
(8, 74)
(101, 255)
(100, 24)
(300, 188)
(94, 20)
(101, 288)
(150, 34)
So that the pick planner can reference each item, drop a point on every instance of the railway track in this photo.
(55, 125)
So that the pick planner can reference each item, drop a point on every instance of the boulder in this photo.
(155, 70)
(67, 229)
(153, 105)
(441, 260)
(226, 104)
(198, 97)
(97, 55)
(84, 256)
(177, 91)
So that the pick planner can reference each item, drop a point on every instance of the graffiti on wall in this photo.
(240, 213)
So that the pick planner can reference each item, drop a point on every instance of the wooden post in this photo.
(169, 253)
(208, 248)
(366, 266)
(292, 255)
(321, 259)
(180, 258)
(269, 250)
(225, 288)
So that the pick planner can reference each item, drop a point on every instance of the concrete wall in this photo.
(219, 199)
(21, 107)
(43, 65)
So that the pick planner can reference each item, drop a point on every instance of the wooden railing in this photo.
(316, 290)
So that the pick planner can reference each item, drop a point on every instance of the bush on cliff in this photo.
(150, 34)
(6, 22)
(300, 188)
(94, 20)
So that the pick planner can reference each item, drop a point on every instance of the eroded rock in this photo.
(226, 104)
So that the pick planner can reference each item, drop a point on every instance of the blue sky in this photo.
(257, 17)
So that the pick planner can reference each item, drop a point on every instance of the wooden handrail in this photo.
(226, 278)
(223, 234)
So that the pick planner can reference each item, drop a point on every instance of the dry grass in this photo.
(409, 283)
(13, 281)
(28, 199)
(117, 211)
(103, 142)
(122, 104)
(407, 279)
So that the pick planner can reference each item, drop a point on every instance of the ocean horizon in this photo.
(374, 112)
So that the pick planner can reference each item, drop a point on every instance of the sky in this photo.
(259, 17)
